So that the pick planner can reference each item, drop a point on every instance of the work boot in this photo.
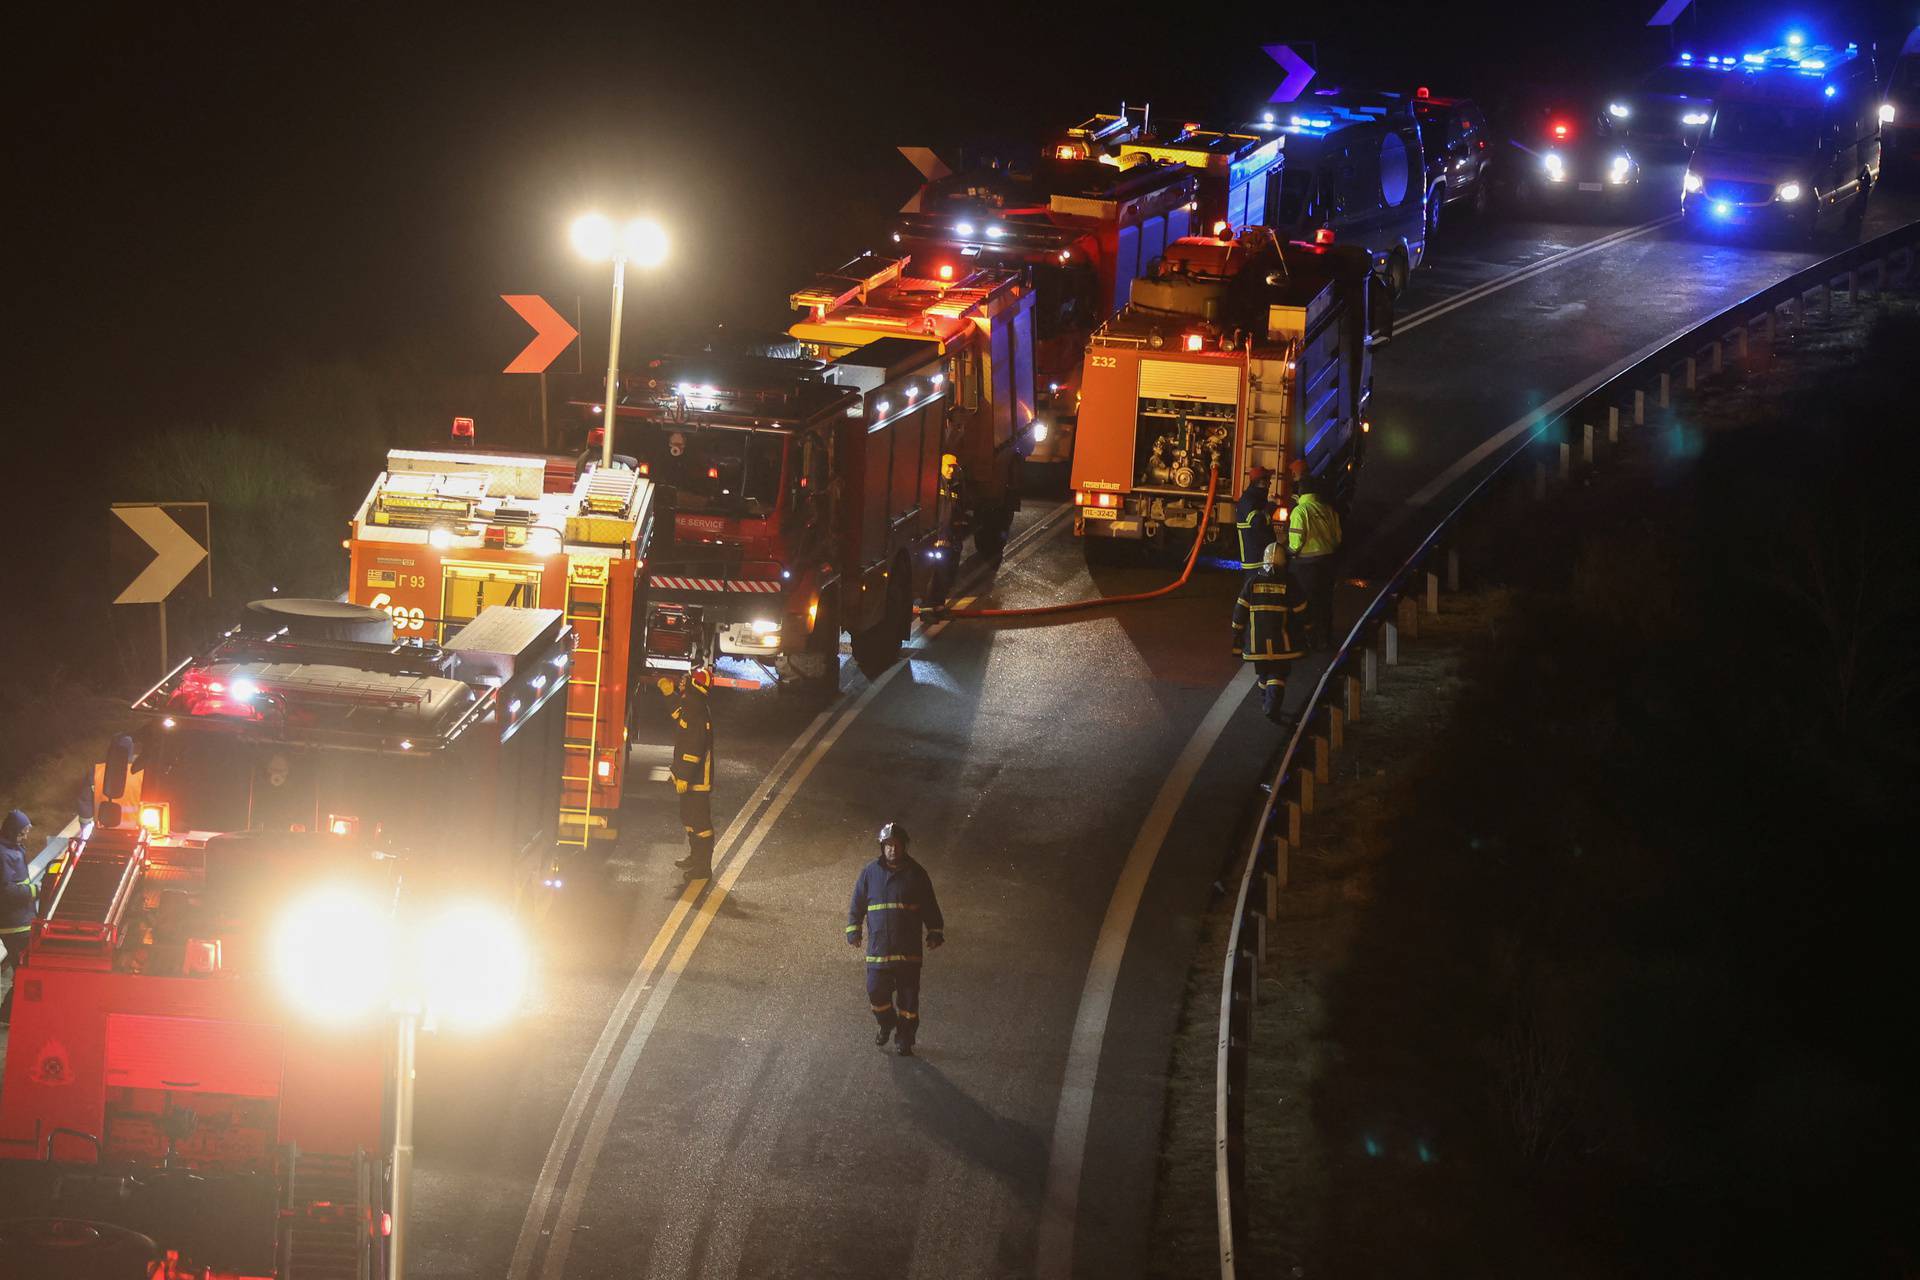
(694, 871)
(904, 1048)
(687, 863)
(883, 1035)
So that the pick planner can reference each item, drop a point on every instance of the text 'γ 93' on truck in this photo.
(167, 1112)
(442, 536)
(1081, 228)
(980, 324)
(311, 717)
(1234, 354)
(804, 499)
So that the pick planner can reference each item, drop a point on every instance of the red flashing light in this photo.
(463, 429)
(1421, 92)
(646, 469)
(1561, 129)
(386, 1224)
(713, 473)
(1195, 341)
(1323, 236)
(946, 271)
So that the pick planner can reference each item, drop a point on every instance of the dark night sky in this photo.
(202, 193)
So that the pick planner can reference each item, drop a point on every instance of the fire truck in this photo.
(981, 324)
(804, 500)
(310, 716)
(1240, 352)
(1081, 228)
(163, 1114)
(1236, 172)
(442, 536)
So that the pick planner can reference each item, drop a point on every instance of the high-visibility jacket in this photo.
(692, 742)
(1314, 527)
(894, 906)
(17, 892)
(1262, 627)
(1253, 524)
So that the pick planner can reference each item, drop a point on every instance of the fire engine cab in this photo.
(442, 536)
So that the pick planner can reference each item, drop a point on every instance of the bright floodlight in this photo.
(593, 237)
(644, 243)
(333, 954)
(473, 966)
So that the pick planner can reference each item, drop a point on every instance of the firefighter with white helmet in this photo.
(893, 907)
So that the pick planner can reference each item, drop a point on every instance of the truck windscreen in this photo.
(1766, 128)
(725, 470)
(1069, 298)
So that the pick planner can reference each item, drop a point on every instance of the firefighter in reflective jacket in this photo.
(892, 903)
(1253, 518)
(1263, 629)
(693, 770)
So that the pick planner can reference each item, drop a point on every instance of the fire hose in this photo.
(1095, 602)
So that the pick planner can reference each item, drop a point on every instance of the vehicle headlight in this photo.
(1622, 165)
(1618, 110)
(1039, 430)
(1789, 191)
(765, 627)
(474, 965)
(1694, 118)
(1886, 113)
(1692, 182)
(1555, 166)
(333, 954)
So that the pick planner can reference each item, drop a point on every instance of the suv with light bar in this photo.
(1669, 108)
(1794, 144)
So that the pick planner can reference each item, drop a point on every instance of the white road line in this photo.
(1067, 1152)
(734, 861)
(1561, 259)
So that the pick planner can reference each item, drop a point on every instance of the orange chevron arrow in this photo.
(551, 332)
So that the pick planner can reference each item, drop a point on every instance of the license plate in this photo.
(1101, 513)
(1591, 186)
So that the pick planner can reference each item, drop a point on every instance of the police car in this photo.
(1670, 107)
(1573, 158)
(1793, 146)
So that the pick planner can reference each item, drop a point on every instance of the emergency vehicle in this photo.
(1239, 353)
(165, 1113)
(1235, 172)
(1794, 144)
(981, 324)
(311, 717)
(1082, 229)
(1900, 114)
(442, 536)
(1355, 165)
(798, 499)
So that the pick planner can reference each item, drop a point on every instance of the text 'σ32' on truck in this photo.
(443, 535)
(1237, 353)
(1081, 228)
(804, 499)
(162, 1097)
(981, 326)
(311, 717)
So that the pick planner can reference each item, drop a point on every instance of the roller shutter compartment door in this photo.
(1205, 383)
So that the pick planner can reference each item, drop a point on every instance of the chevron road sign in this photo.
(155, 547)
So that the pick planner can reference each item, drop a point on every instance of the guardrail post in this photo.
(1586, 444)
(1303, 788)
(1433, 592)
(1666, 388)
(1796, 309)
(1714, 351)
(1853, 287)
(1390, 643)
(1453, 570)
(1740, 342)
(1691, 373)
(1322, 758)
(1566, 459)
(1407, 615)
(1613, 424)
(1272, 879)
(1350, 688)
(1639, 408)
(1293, 826)
(1336, 727)
(1370, 669)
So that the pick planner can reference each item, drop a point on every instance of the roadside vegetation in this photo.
(1608, 972)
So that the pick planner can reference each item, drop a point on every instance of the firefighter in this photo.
(1263, 629)
(17, 900)
(693, 768)
(1313, 540)
(955, 524)
(893, 902)
(1253, 517)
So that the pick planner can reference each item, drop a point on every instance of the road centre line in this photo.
(1066, 1153)
(1561, 259)
(734, 862)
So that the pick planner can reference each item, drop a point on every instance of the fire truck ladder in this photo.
(1267, 411)
(586, 613)
(99, 882)
(326, 1219)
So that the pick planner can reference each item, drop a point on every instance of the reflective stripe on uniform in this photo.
(853, 928)
(914, 1017)
(882, 1008)
(893, 959)
(891, 906)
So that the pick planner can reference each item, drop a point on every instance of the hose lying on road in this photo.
(1193, 557)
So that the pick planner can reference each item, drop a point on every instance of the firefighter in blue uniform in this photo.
(693, 769)
(893, 903)
(1253, 517)
(1263, 629)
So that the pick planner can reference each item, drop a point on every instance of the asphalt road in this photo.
(696, 1091)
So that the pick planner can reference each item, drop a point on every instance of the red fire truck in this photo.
(164, 1114)
(443, 535)
(804, 499)
(1237, 172)
(1082, 229)
(981, 324)
(1239, 353)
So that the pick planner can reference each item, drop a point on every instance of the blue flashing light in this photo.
(1812, 64)
(1729, 59)
(1721, 208)
(1754, 59)
(1795, 38)
(1714, 60)
(1831, 91)
(1686, 57)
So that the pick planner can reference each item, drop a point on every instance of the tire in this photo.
(878, 647)
(1436, 204)
(1481, 202)
(816, 668)
(1397, 273)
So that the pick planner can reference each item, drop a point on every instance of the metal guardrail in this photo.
(1353, 670)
